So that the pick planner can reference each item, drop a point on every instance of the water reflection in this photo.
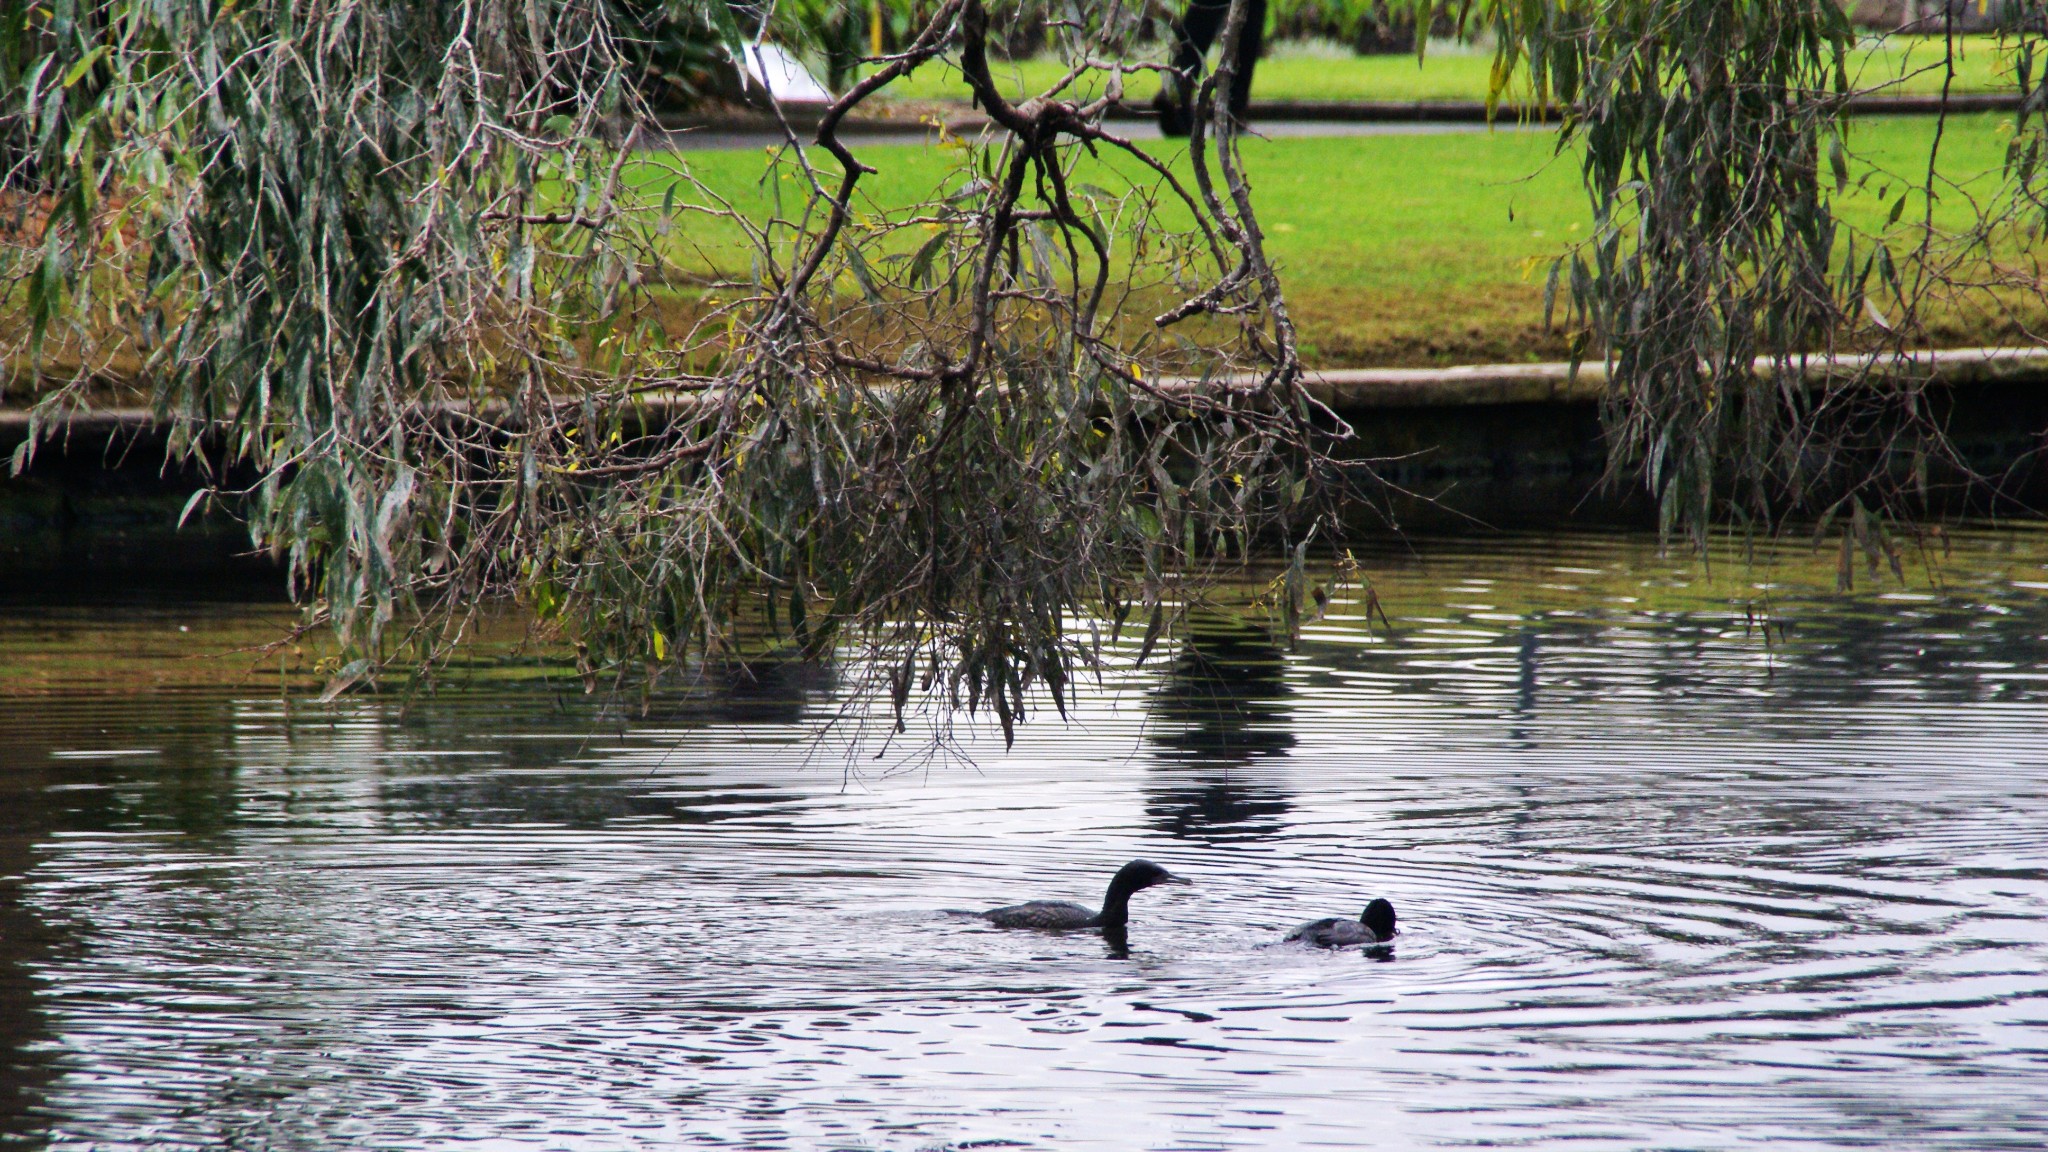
(27, 946)
(1650, 869)
(151, 766)
(1219, 710)
(1116, 939)
(475, 799)
(778, 692)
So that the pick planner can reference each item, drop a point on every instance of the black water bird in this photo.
(1374, 926)
(1060, 916)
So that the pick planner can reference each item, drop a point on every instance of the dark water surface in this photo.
(1662, 884)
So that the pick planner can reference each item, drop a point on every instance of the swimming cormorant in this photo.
(1060, 916)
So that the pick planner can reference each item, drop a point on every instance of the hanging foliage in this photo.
(1715, 150)
(1706, 129)
(479, 336)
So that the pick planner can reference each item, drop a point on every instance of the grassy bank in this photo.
(1394, 249)
(1407, 249)
(1899, 65)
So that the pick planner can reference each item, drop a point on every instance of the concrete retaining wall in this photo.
(1500, 446)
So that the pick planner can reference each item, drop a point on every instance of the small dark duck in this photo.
(1374, 926)
(1060, 916)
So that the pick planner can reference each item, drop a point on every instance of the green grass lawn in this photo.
(1450, 71)
(1412, 249)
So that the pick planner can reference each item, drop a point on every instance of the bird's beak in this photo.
(1172, 878)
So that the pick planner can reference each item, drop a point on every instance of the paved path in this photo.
(1286, 118)
(715, 138)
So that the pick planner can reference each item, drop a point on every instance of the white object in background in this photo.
(782, 76)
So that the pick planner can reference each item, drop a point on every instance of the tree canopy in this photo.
(430, 273)
(404, 260)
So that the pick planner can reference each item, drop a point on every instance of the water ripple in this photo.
(1662, 884)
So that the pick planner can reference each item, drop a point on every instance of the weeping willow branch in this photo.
(1714, 151)
(409, 265)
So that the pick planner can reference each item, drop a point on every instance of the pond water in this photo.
(1664, 882)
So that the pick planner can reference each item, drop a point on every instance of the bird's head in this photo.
(1378, 917)
(1144, 874)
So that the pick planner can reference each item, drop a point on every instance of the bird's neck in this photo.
(1116, 904)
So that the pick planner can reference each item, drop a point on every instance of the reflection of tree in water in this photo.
(26, 944)
(1220, 708)
(762, 691)
(183, 784)
(770, 692)
(533, 787)
(1837, 654)
(480, 797)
